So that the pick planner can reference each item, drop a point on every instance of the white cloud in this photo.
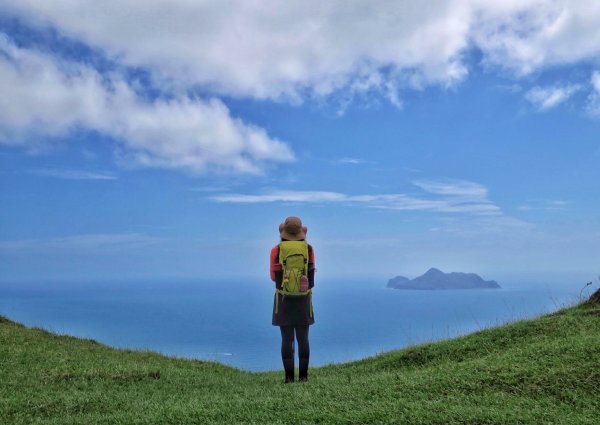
(469, 226)
(80, 242)
(74, 174)
(288, 49)
(544, 98)
(595, 80)
(283, 196)
(528, 35)
(353, 161)
(42, 96)
(462, 197)
(525, 208)
(248, 48)
(545, 205)
(454, 188)
(593, 104)
(209, 189)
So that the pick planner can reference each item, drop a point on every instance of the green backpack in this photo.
(293, 257)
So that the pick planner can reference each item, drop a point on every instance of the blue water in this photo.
(230, 321)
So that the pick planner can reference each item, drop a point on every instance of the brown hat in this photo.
(292, 229)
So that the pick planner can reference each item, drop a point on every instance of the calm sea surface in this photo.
(230, 321)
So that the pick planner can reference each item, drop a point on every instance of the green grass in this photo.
(545, 370)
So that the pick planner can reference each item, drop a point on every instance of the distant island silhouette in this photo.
(435, 279)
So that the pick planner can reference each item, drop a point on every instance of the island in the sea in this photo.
(437, 279)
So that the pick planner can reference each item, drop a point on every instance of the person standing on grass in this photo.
(292, 268)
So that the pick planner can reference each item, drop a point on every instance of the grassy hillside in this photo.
(545, 370)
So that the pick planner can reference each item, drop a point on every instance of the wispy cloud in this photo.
(350, 161)
(74, 174)
(544, 98)
(593, 102)
(459, 188)
(510, 88)
(283, 196)
(209, 189)
(544, 205)
(595, 80)
(475, 226)
(83, 242)
(448, 197)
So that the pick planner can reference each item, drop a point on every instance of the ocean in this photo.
(230, 321)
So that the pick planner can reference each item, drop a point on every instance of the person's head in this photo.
(292, 229)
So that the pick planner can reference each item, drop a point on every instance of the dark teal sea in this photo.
(230, 321)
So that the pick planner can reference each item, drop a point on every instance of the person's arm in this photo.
(311, 267)
(274, 263)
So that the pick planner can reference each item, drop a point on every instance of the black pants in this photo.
(287, 350)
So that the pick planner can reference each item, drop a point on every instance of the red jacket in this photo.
(275, 266)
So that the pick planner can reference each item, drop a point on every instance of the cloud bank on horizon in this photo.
(199, 54)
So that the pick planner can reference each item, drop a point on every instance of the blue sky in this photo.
(171, 141)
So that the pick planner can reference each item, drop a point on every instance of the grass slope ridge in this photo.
(545, 370)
